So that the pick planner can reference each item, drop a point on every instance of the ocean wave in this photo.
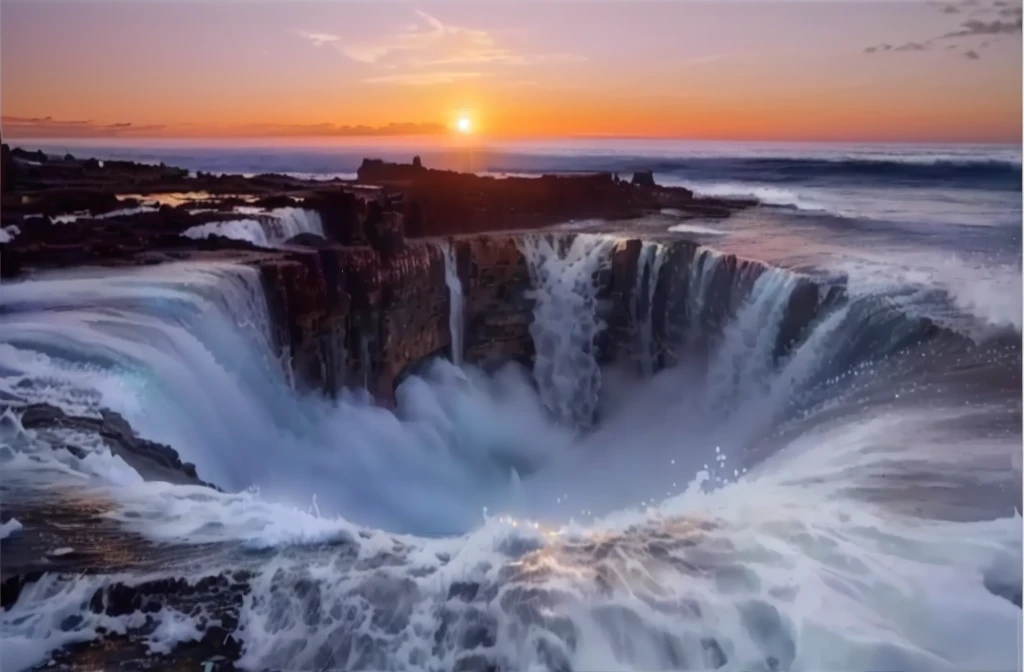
(697, 229)
(987, 293)
(767, 195)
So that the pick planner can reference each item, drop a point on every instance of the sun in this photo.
(463, 124)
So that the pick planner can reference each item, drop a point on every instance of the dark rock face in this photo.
(96, 202)
(644, 178)
(351, 317)
(384, 230)
(342, 214)
(6, 168)
(498, 308)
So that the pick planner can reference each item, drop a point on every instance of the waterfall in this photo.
(565, 321)
(183, 352)
(456, 311)
(787, 563)
(742, 362)
(272, 229)
(648, 267)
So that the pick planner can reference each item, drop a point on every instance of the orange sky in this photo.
(757, 70)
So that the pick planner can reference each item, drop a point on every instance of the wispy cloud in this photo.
(48, 127)
(320, 39)
(974, 28)
(1003, 20)
(336, 130)
(416, 48)
(911, 46)
(423, 78)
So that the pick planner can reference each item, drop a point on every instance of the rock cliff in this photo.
(364, 304)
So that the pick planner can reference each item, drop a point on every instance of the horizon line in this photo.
(468, 143)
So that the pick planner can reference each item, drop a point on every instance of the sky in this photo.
(825, 70)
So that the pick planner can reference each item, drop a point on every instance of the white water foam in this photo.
(698, 229)
(983, 288)
(565, 321)
(12, 526)
(8, 233)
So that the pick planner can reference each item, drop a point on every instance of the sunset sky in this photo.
(757, 70)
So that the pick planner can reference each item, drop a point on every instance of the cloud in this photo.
(48, 127)
(335, 130)
(431, 43)
(423, 78)
(907, 46)
(912, 46)
(975, 27)
(1009, 24)
(320, 39)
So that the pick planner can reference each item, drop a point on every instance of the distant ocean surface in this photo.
(939, 225)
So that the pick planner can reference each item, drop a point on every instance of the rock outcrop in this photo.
(153, 461)
(644, 178)
(351, 318)
(440, 202)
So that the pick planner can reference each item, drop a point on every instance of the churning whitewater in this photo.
(741, 499)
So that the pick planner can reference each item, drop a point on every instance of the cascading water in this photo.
(456, 310)
(565, 321)
(267, 230)
(648, 268)
(841, 507)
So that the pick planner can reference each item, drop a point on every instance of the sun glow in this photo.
(463, 124)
